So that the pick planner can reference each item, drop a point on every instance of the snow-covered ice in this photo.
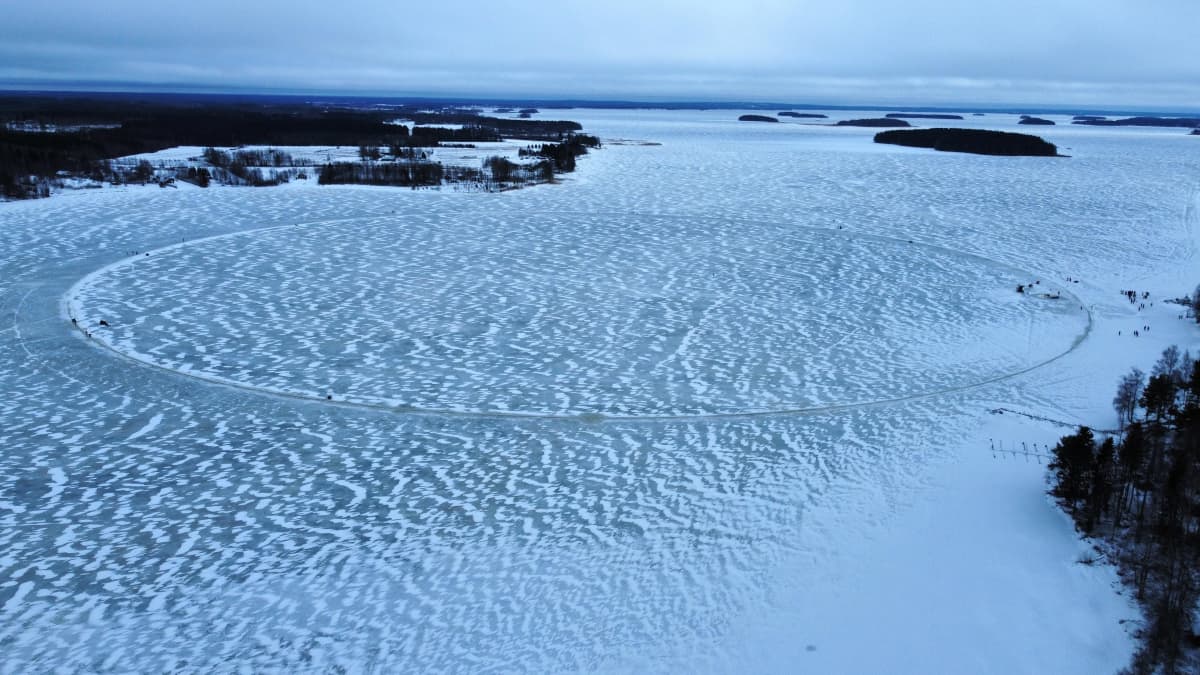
(621, 315)
(720, 404)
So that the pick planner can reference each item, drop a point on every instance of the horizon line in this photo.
(127, 89)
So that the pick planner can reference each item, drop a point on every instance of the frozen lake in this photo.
(648, 419)
(618, 315)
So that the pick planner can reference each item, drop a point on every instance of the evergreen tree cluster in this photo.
(874, 122)
(1143, 121)
(1030, 120)
(28, 160)
(505, 173)
(410, 167)
(538, 130)
(757, 118)
(976, 141)
(429, 137)
(923, 116)
(1140, 493)
(562, 155)
(402, 174)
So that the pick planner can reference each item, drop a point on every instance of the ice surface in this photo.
(625, 316)
(153, 518)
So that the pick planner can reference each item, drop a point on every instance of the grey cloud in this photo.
(1109, 50)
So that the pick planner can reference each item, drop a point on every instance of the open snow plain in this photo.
(719, 404)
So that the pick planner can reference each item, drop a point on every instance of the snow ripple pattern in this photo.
(571, 314)
(157, 523)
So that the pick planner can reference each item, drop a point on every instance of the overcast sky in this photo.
(1068, 52)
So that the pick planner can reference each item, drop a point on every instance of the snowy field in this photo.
(723, 404)
(316, 155)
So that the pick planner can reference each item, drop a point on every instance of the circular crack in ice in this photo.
(576, 315)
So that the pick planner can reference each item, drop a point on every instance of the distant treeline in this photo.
(407, 174)
(874, 122)
(977, 141)
(105, 128)
(526, 129)
(495, 173)
(429, 137)
(923, 116)
(27, 160)
(1096, 121)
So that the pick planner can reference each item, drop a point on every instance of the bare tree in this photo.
(1167, 364)
(1129, 390)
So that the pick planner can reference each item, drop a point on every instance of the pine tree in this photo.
(1074, 457)
(1159, 397)
(1130, 457)
(1100, 492)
